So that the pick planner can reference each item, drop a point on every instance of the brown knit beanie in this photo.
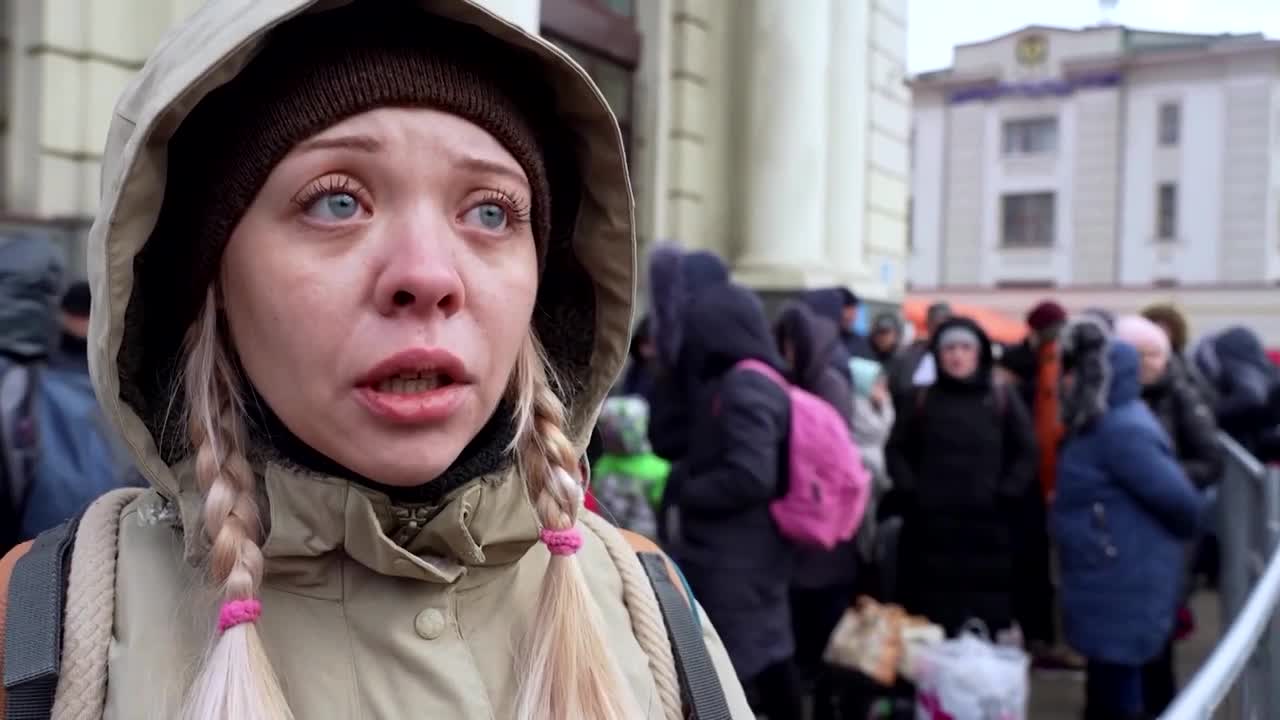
(313, 72)
(1172, 319)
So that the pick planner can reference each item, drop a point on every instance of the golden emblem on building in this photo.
(1032, 49)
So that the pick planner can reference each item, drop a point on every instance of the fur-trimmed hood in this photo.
(1105, 373)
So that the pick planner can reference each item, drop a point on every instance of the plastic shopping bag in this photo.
(969, 678)
(868, 639)
(918, 634)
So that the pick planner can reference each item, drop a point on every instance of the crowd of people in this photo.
(1060, 486)
(349, 341)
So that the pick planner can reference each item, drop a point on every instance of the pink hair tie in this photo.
(562, 542)
(238, 612)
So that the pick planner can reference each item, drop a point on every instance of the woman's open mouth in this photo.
(414, 382)
(415, 387)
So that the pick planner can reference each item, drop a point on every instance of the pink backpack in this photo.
(828, 485)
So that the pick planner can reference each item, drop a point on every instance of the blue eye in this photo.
(490, 216)
(334, 206)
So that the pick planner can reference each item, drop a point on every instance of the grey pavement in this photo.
(1060, 696)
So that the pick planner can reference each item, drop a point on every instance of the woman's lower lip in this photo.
(414, 408)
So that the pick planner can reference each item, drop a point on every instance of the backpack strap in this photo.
(1000, 392)
(89, 618)
(61, 606)
(702, 691)
(6, 572)
(646, 616)
(33, 624)
(666, 623)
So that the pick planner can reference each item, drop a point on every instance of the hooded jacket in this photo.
(676, 279)
(370, 609)
(961, 456)
(811, 339)
(1122, 511)
(729, 546)
(1189, 423)
(31, 280)
(830, 303)
(1246, 388)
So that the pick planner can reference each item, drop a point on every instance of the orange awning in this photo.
(998, 326)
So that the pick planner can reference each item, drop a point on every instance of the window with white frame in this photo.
(1031, 136)
(1027, 220)
(1170, 120)
(1167, 211)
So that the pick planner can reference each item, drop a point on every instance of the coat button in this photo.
(429, 624)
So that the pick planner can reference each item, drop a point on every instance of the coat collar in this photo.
(488, 522)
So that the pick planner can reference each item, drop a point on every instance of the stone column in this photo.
(847, 127)
(785, 145)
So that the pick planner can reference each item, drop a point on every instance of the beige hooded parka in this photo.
(370, 610)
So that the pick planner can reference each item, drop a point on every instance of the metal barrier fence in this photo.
(1241, 679)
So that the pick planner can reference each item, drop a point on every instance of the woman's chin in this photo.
(409, 474)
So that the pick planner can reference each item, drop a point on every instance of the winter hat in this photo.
(703, 269)
(1103, 317)
(958, 335)
(1046, 315)
(312, 73)
(886, 322)
(865, 373)
(937, 314)
(1171, 318)
(1142, 334)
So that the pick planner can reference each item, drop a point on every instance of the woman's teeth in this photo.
(412, 384)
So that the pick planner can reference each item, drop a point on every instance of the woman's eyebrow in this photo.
(359, 143)
(470, 162)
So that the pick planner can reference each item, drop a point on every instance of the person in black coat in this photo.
(962, 456)
(906, 363)
(732, 553)
(677, 279)
(1246, 389)
(886, 338)
(823, 582)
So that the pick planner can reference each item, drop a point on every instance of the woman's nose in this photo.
(420, 276)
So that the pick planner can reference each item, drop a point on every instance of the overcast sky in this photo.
(934, 27)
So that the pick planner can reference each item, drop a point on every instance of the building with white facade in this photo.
(771, 131)
(1104, 166)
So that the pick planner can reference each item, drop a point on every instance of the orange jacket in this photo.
(1047, 419)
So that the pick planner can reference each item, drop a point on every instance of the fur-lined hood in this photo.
(1105, 373)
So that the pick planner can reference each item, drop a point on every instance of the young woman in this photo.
(362, 277)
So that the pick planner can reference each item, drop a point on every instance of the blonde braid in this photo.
(236, 681)
(570, 671)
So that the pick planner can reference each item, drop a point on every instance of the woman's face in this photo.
(1154, 361)
(960, 359)
(380, 287)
